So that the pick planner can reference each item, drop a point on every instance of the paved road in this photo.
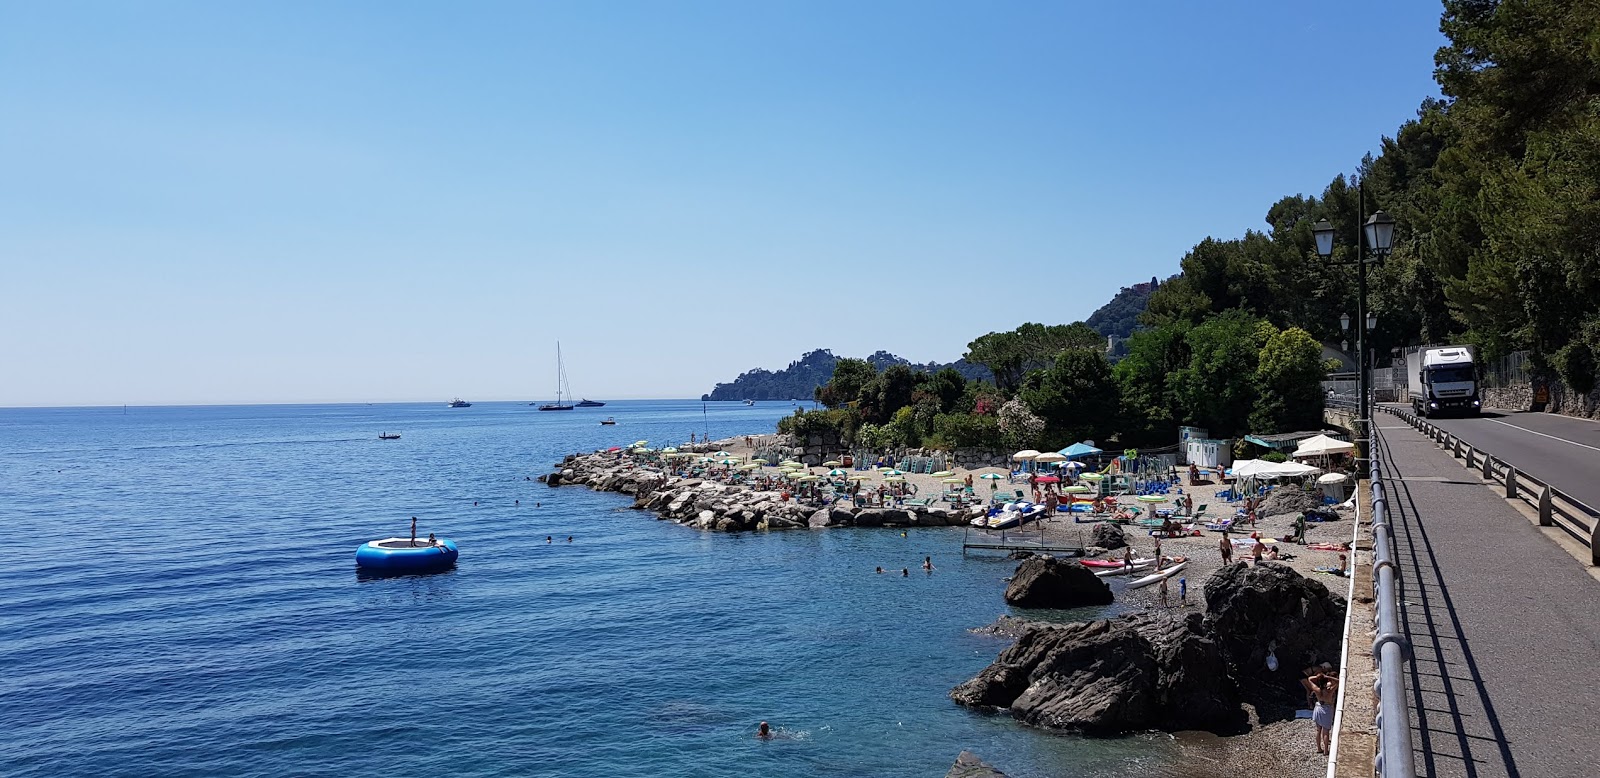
(1559, 450)
(1504, 624)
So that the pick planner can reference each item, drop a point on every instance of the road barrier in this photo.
(1391, 650)
(1554, 507)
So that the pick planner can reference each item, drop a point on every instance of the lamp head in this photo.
(1380, 232)
(1344, 321)
(1323, 231)
(1372, 321)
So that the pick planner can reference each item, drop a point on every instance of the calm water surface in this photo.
(180, 598)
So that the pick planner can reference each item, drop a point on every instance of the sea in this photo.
(179, 598)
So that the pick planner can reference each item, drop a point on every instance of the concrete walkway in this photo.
(1504, 624)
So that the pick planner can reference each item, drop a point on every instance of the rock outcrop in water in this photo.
(969, 766)
(1047, 582)
(711, 505)
(1152, 671)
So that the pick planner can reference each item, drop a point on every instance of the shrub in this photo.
(1575, 362)
(1274, 456)
(965, 430)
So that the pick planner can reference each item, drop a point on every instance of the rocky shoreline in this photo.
(709, 504)
(1200, 668)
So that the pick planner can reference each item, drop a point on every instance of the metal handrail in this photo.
(1390, 648)
(1555, 508)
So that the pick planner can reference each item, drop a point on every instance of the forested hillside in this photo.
(1119, 317)
(800, 380)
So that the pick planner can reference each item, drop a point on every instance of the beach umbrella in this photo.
(832, 463)
(1050, 456)
(809, 478)
(1074, 489)
(722, 454)
(991, 476)
(614, 448)
(837, 471)
(1092, 477)
(894, 478)
(669, 450)
(943, 474)
(752, 466)
(1150, 498)
(1079, 450)
(860, 478)
(1047, 479)
(1073, 465)
(640, 442)
(953, 480)
(1025, 455)
(892, 471)
(728, 462)
(884, 469)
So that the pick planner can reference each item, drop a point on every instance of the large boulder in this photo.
(969, 766)
(1111, 676)
(1271, 609)
(1107, 536)
(1047, 582)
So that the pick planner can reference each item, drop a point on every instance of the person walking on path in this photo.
(1325, 689)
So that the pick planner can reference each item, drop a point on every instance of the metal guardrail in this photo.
(1554, 507)
(1390, 648)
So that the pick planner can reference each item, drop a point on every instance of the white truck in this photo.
(1443, 379)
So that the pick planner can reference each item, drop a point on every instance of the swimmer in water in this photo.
(547, 538)
(927, 563)
(764, 732)
(879, 570)
(569, 538)
(905, 572)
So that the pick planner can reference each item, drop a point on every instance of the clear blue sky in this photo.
(311, 201)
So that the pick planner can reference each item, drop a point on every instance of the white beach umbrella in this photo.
(1050, 456)
(1025, 455)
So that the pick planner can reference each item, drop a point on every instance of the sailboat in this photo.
(561, 383)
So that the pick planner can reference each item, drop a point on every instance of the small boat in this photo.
(749, 402)
(608, 421)
(1011, 515)
(403, 555)
(1114, 563)
(586, 403)
(387, 436)
(1159, 575)
(459, 403)
(561, 382)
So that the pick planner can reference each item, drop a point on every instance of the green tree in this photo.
(948, 386)
(1215, 389)
(1151, 409)
(1076, 397)
(1010, 355)
(850, 377)
(1289, 377)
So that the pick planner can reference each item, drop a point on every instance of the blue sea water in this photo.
(179, 598)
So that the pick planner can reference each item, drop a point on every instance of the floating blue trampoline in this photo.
(402, 555)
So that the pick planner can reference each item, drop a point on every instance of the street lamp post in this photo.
(1379, 233)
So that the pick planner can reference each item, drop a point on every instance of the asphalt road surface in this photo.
(1504, 623)
(1559, 450)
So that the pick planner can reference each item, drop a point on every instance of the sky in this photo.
(278, 201)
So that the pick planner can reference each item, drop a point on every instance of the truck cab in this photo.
(1444, 380)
